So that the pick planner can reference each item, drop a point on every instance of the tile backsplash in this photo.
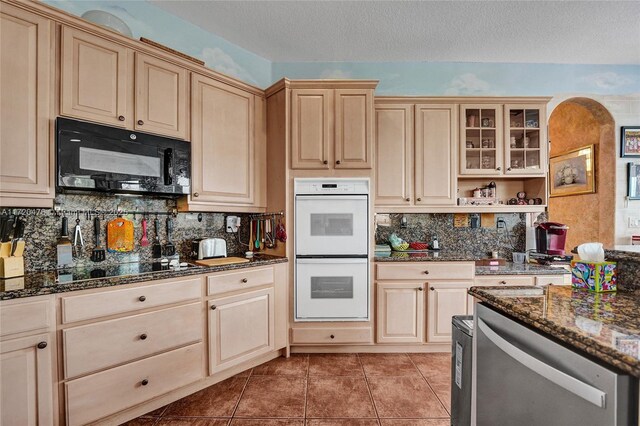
(479, 242)
(43, 229)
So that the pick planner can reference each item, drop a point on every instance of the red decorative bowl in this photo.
(419, 246)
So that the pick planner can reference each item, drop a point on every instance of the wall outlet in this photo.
(634, 222)
(233, 223)
(500, 223)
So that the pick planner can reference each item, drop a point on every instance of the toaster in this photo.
(208, 248)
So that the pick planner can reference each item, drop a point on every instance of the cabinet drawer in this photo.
(498, 280)
(98, 395)
(425, 271)
(104, 344)
(564, 279)
(323, 336)
(232, 281)
(21, 317)
(110, 302)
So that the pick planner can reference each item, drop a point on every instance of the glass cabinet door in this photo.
(481, 139)
(525, 142)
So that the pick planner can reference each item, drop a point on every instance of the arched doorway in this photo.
(575, 123)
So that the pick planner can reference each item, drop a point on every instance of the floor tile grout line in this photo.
(366, 382)
(306, 390)
(430, 387)
(244, 387)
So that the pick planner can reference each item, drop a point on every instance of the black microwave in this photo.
(92, 157)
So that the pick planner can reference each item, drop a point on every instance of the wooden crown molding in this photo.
(381, 100)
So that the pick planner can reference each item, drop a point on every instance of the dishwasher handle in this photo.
(570, 383)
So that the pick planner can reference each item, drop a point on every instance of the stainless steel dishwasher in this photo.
(525, 378)
(461, 359)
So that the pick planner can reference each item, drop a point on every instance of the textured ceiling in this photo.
(575, 32)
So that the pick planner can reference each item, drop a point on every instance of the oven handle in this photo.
(332, 261)
(322, 197)
(570, 383)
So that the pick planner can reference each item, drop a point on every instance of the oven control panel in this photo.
(331, 186)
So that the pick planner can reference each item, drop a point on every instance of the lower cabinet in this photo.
(241, 327)
(400, 312)
(27, 385)
(444, 301)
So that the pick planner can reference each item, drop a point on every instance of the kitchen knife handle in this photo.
(96, 230)
(169, 228)
(65, 227)
(156, 226)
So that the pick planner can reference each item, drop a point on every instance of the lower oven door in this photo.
(332, 289)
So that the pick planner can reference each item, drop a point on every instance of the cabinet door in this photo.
(444, 300)
(240, 328)
(525, 147)
(222, 149)
(161, 97)
(394, 151)
(26, 381)
(311, 125)
(25, 84)
(96, 79)
(353, 129)
(481, 143)
(435, 160)
(400, 308)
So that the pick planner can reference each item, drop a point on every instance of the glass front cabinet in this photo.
(503, 140)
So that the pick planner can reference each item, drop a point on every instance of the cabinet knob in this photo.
(418, 199)
(502, 282)
(244, 280)
(508, 169)
(143, 337)
(332, 336)
(213, 307)
(337, 161)
(142, 298)
(407, 199)
(140, 122)
(42, 345)
(121, 117)
(426, 272)
(325, 162)
(195, 194)
(144, 382)
(420, 289)
(431, 288)
(498, 168)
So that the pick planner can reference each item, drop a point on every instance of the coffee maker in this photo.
(550, 241)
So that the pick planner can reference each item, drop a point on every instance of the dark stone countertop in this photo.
(456, 256)
(604, 325)
(41, 283)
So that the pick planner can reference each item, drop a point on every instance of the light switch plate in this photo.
(634, 222)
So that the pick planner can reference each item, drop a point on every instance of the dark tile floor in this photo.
(322, 390)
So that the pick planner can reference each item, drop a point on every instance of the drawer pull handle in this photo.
(142, 298)
(332, 336)
(144, 382)
(140, 122)
(498, 168)
(503, 282)
(338, 162)
(407, 199)
(432, 288)
(420, 289)
(426, 272)
(143, 337)
(325, 162)
(213, 307)
(419, 199)
(42, 345)
(244, 280)
(121, 117)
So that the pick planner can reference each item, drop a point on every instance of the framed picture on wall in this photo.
(573, 172)
(633, 181)
(630, 141)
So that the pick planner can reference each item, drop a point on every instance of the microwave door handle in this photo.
(168, 166)
(570, 383)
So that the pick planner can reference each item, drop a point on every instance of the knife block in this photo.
(11, 266)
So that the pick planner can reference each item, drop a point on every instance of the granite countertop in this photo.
(47, 282)
(604, 325)
(455, 256)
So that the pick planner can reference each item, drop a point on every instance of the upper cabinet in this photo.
(161, 97)
(415, 146)
(332, 127)
(98, 77)
(26, 69)
(503, 139)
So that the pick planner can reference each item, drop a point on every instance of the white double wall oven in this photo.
(332, 249)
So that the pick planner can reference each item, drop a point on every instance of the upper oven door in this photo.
(334, 225)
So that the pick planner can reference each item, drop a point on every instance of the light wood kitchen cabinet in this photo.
(161, 101)
(96, 79)
(331, 127)
(394, 150)
(26, 46)
(222, 143)
(444, 300)
(481, 141)
(241, 327)
(400, 312)
(26, 394)
(525, 146)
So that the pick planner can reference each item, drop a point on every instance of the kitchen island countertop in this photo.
(603, 325)
(47, 282)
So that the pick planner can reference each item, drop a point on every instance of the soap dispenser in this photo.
(434, 244)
